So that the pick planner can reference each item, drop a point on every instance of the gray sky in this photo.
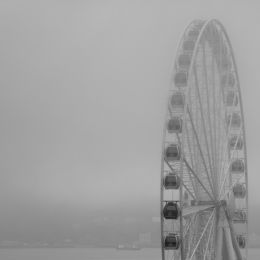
(83, 92)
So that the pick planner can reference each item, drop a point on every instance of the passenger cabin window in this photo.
(236, 143)
(238, 166)
(231, 99)
(188, 45)
(174, 125)
(239, 191)
(177, 100)
(241, 241)
(171, 181)
(172, 153)
(228, 80)
(184, 60)
(234, 120)
(180, 79)
(171, 210)
(172, 241)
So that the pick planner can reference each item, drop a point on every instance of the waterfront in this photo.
(89, 254)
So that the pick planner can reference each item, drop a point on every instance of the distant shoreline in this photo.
(80, 247)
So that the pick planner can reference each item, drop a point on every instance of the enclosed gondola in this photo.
(184, 61)
(241, 240)
(172, 241)
(236, 142)
(171, 181)
(174, 125)
(234, 120)
(228, 80)
(180, 79)
(239, 191)
(231, 98)
(239, 216)
(172, 153)
(237, 166)
(177, 100)
(188, 45)
(171, 210)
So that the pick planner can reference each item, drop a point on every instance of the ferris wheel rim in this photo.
(202, 30)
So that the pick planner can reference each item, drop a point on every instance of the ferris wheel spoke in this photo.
(214, 113)
(224, 159)
(200, 150)
(187, 227)
(189, 191)
(208, 110)
(226, 148)
(210, 158)
(190, 178)
(168, 164)
(196, 209)
(192, 160)
(213, 238)
(198, 179)
(230, 188)
(184, 185)
(220, 144)
(232, 155)
(193, 232)
(209, 238)
(228, 166)
(202, 234)
(233, 236)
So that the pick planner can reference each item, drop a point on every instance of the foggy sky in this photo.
(83, 92)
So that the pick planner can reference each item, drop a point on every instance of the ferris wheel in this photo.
(204, 188)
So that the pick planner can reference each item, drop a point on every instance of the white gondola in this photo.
(171, 210)
(171, 181)
(177, 100)
(174, 125)
(234, 120)
(172, 241)
(231, 98)
(241, 240)
(239, 216)
(236, 143)
(184, 61)
(172, 153)
(239, 191)
(180, 79)
(228, 80)
(237, 166)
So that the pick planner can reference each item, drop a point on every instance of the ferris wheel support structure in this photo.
(204, 181)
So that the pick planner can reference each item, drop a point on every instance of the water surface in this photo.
(90, 254)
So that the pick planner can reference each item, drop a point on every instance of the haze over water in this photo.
(90, 254)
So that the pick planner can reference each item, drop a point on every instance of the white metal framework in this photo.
(204, 188)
